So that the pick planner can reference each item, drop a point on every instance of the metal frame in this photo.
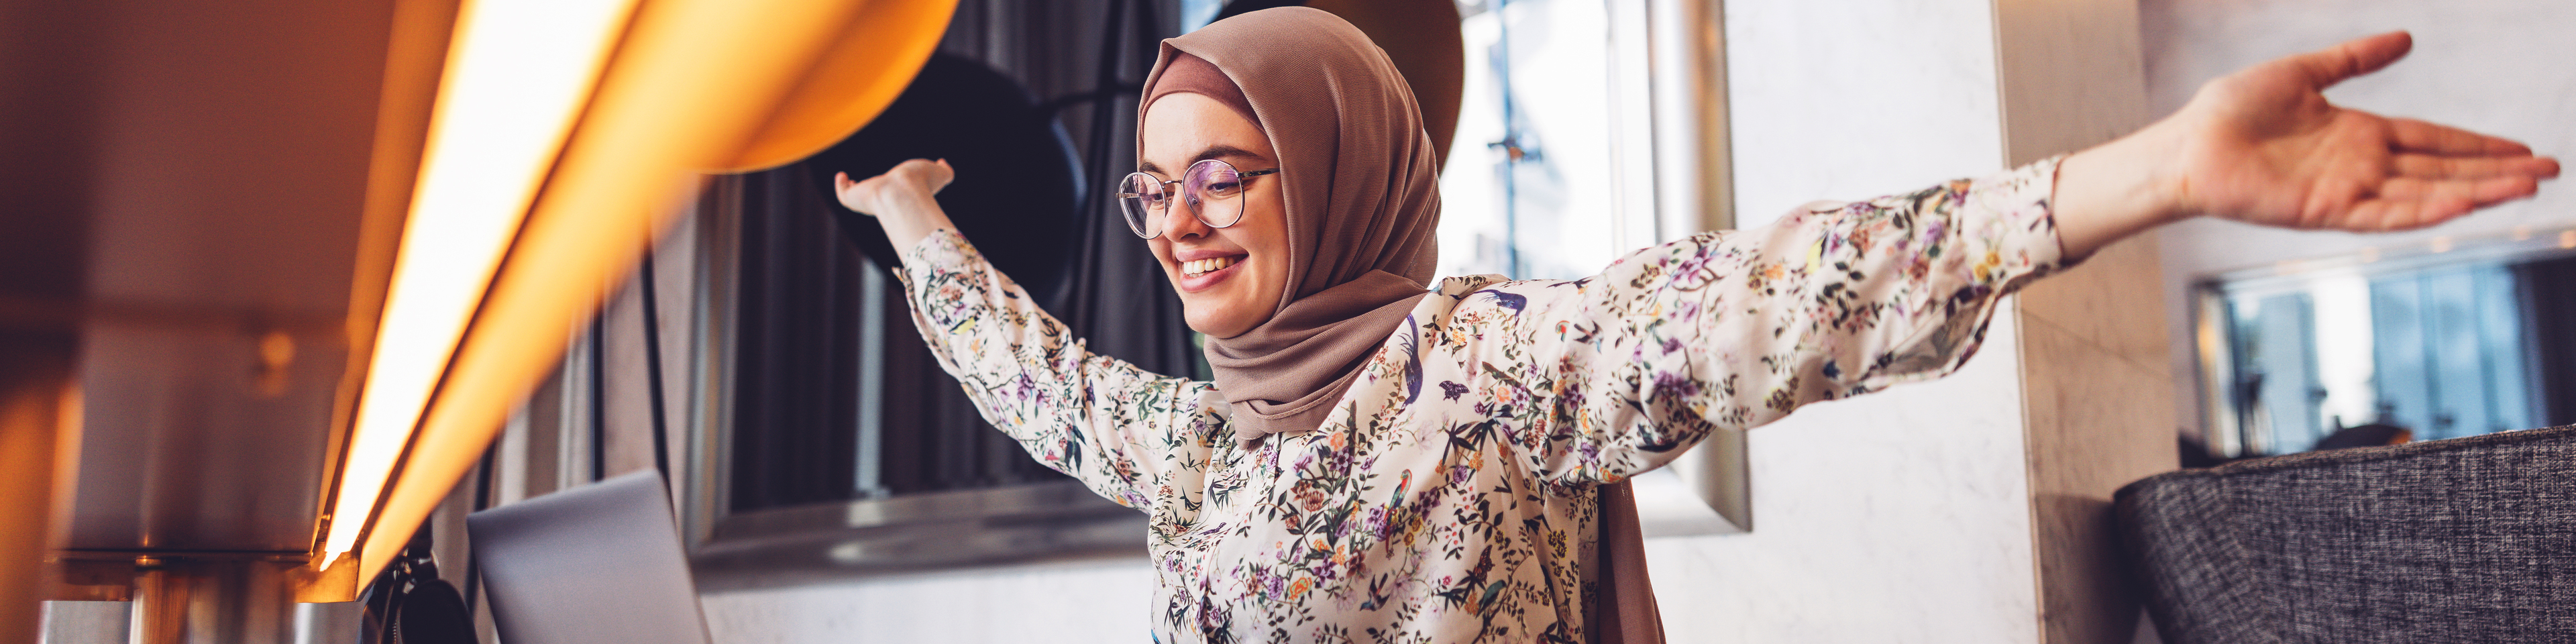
(941, 530)
(1693, 191)
(838, 541)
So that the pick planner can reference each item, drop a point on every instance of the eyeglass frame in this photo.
(1166, 186)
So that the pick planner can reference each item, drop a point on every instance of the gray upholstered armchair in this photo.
(2463, 540)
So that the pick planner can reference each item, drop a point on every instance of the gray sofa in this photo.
(2462, 540)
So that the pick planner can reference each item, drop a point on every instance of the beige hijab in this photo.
(1362, 192)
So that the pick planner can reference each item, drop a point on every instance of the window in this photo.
(2445, 342)
(1591, 129)
(1552, 175)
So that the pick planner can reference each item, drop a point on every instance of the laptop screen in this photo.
(599, 564)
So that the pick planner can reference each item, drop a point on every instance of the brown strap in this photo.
(1625, 612)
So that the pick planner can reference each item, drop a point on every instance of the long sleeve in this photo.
(1735, 329)
(1139, 438)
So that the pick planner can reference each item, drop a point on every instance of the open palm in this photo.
(2264, 146)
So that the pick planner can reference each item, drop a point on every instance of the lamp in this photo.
(563, 134)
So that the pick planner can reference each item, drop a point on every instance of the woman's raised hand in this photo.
(900, 199)
(2263, 146)
(880, 194)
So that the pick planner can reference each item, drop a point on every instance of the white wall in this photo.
(1081, 602)
(1850, 99)
(1901, 516)
(2497, 66)
(1898, 517)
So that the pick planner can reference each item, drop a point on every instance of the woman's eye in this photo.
(1223, 188)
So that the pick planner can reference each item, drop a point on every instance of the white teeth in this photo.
(1205, 266)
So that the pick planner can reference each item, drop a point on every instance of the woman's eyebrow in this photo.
(1212, 152)
(1220, 151)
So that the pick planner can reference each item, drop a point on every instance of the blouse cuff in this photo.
(931, 272)
(942, 247)
(2024, 221)
(941, 251)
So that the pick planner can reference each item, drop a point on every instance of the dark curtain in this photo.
(802, 315)
(1116, 296)
(796, 334)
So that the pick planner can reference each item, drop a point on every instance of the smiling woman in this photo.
(1381, 455)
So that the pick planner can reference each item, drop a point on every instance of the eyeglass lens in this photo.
(1212, 188)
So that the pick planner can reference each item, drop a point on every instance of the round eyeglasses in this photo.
(1213, 188)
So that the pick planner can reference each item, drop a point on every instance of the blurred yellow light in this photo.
(518, 76)
(564, 134)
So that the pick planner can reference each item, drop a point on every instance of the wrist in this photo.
(911, 215)
(2119, 188)
(2163, 192)
(2143, 175)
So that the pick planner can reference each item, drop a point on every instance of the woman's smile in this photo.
(1206, 269)
(1205, 266)
(1202, 269)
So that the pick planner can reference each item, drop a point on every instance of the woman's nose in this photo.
(1182, 221)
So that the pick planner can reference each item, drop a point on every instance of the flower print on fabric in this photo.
(1450, 497)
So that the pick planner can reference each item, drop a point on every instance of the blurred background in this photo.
(288, 288)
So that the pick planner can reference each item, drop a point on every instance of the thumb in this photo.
(2336, 64)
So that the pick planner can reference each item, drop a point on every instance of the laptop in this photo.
(597, 564)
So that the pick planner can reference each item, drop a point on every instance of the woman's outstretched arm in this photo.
(1730, 330)
(1136, 437)
(1736, 329)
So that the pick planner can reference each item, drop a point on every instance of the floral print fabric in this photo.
(1451, 496)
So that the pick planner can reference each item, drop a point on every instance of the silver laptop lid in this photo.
(598, 564)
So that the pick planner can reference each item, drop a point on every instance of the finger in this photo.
(2354, 57)
(2427, 166)
(2385, 214)
(2470, 193)
(2402, 214)
(2419, 136)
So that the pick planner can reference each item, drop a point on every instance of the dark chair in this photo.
(2462, 540)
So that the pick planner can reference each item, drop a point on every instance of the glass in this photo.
(1213, 188)
(2444, 342)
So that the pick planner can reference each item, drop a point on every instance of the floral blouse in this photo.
(1451, 496)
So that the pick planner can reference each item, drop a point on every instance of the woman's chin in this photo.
(1226, 308)
(1211, 316)
(1217, 328)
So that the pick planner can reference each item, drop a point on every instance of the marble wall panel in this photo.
(1852, 99)
(1900, 516)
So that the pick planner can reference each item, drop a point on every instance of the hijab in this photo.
(1361, 190)
(1362, 195)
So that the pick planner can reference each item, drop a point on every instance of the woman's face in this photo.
(1230, 279)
